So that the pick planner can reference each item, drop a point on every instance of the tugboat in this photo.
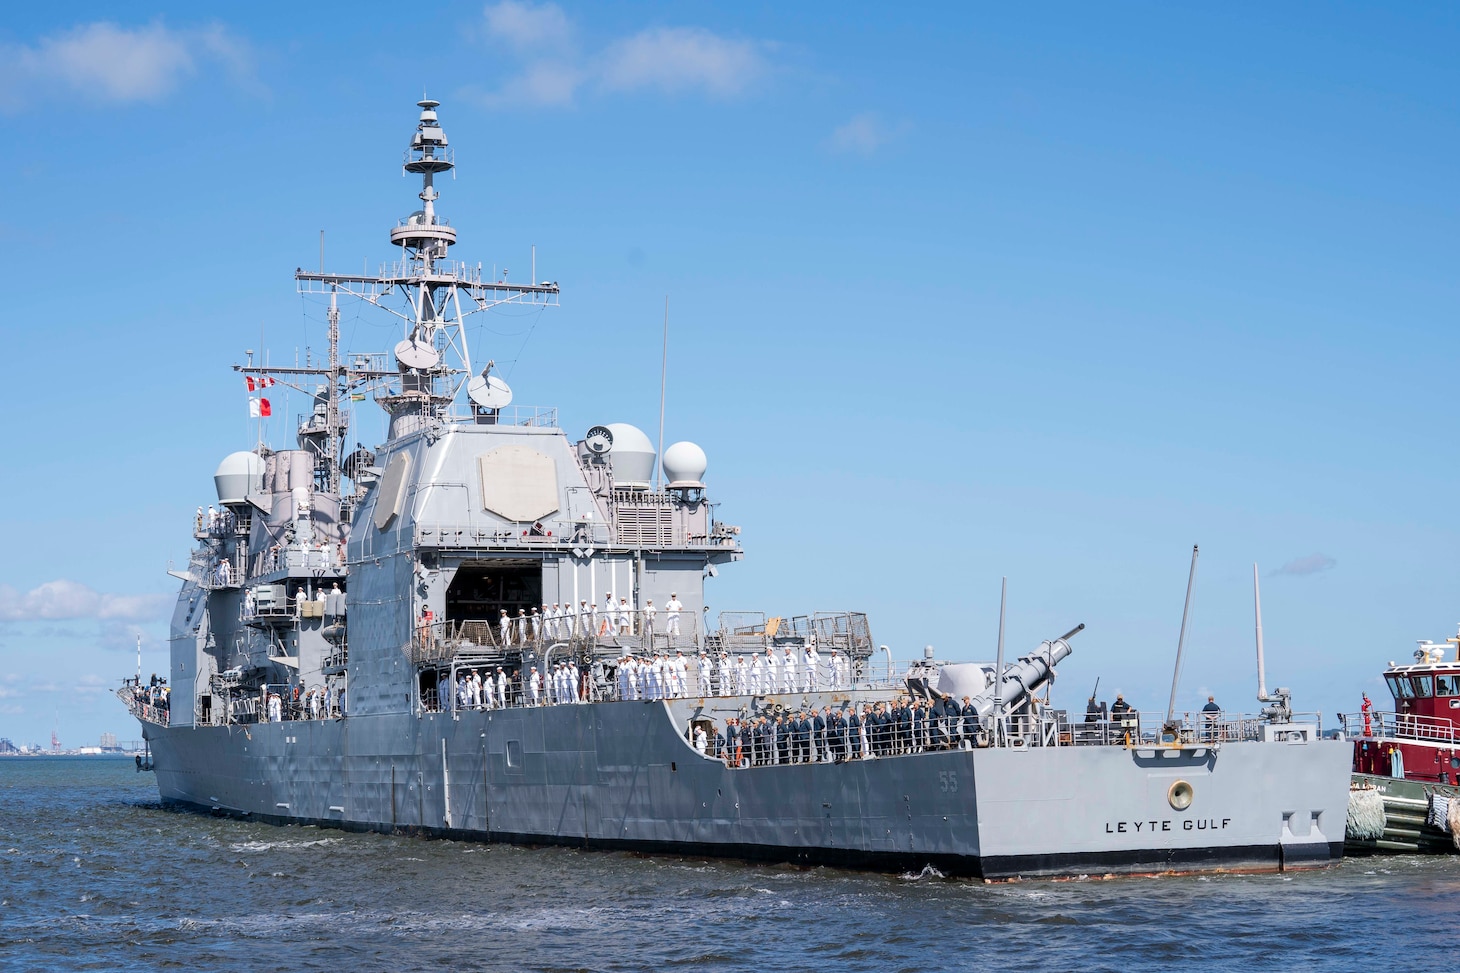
(1405, 795)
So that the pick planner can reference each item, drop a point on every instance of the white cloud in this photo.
(108, 63)
(674, 59)
(670, 60)
(541, 83)
(122, 636)
(1310, 564)
(63, 599)
(528, 24)
(865, 133)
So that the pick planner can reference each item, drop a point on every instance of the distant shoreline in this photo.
(72, 753)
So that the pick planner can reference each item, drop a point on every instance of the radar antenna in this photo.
(432, 360)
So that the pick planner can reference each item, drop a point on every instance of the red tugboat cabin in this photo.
(1420, 739)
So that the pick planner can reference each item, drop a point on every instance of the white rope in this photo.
(1366, 817)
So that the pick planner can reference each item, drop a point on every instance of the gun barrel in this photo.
(1026, 676)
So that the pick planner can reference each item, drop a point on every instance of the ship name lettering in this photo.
(1168, 824)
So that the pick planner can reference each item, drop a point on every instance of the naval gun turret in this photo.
(1022, 679)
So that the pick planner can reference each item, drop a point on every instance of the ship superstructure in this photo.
(485, 628)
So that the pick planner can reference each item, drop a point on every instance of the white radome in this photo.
(239, 475)
(631, 456)
(685, 465)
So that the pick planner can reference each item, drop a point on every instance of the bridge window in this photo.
(1424, 686)
(1399, 687)
(1447, 685)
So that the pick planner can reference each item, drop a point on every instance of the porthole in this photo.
(1179, 795)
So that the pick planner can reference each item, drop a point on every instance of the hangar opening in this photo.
(480, 590)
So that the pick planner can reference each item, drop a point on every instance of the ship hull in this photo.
(620, 776)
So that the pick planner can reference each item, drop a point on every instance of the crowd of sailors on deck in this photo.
(662, 676)
(848, 732)
(642, 677)
(616, 618)
(283, 703)
(155, 697)
(215, 523)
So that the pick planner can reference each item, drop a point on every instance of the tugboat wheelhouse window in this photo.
(1447, 685)
(1399, 687)
(1424, 686)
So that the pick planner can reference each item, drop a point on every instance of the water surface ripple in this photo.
(96, 875)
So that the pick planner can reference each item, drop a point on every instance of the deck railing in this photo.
(1399, 726)
(146, 703)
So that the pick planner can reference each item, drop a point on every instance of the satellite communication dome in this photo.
(239, 475)
(685, 465)
(631, 456)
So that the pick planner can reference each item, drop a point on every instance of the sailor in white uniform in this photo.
(652, 671)
(625, 617)
(742, 676)
(649, 611)
(672, 608)
(702, 669)
(534, 687)
(773, 671)
(501, 688)
(788, 672)
(681, 674)
(504, 628)
(606, 624)
(629, 672)
(813, 667)
(757, 674)
(536, 620)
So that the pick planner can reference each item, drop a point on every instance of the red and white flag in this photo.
(254, 384)
(259, 407)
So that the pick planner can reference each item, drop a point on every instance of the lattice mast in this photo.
(432, 360)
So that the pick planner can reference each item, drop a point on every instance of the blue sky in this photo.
(1047, 291)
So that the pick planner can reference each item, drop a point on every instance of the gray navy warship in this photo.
(489, 630)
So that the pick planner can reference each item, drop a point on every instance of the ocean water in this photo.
(96, 875)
